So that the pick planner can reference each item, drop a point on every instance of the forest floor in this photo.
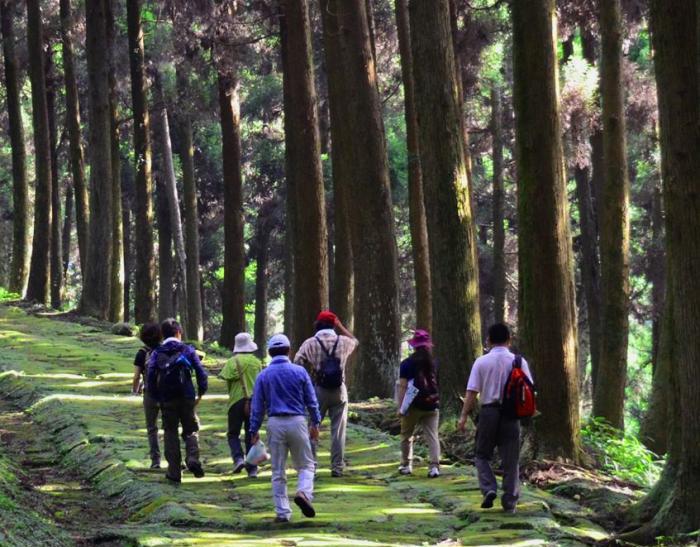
(74, 468)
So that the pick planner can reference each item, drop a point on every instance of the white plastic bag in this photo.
(411, 392)
(257, 454)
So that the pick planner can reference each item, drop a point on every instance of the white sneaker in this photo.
(433, 473)
(405, 470)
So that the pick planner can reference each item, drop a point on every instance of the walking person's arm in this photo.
(139, 371)
(257, 411)
(467, 408)
(202, 382)
(403, 385)
(311, 403)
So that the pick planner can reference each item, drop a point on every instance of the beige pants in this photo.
(429, 421)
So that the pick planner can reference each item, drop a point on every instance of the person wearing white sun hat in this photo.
(240, 373)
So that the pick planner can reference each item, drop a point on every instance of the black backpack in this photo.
(330, 373)
(172, 372)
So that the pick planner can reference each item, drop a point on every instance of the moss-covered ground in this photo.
(73, 384)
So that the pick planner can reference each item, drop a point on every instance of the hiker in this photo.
(240, 373)
(494, 429)
(325, 356)
(170, 371)
(420, 369)
(150, 336)
(284, 391)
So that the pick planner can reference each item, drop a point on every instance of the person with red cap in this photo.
(325, 356)
(420, 371)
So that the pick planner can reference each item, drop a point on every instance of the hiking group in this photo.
(297, 395)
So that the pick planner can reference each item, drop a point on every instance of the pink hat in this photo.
(421, 339)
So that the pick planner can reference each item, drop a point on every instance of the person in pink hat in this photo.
(418, 380)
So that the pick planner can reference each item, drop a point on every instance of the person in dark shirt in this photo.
(169, 381)
(420, 369)
(151, 337)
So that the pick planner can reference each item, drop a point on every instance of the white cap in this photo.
(278, 341)
(244, 343)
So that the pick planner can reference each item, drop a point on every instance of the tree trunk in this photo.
(39, 272)
(74, 134)
(127, 206)
(233, 297)
(67, 229)
(499, 232)
(416, 204)
(20, 188)
(195, 327)
(454, 269)
(145, 277)
(116, 299)
(262, 241)
(56, 253)
(675, 506)
(547, 325)
(352, 81)
(657, 271)
(304, 173)
(609, 397)
(166, 266)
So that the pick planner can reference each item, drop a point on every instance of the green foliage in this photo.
(621, 454)
(6, 295)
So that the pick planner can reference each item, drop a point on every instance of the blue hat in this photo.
(278, 341)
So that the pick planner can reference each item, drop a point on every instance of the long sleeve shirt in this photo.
(283, 389)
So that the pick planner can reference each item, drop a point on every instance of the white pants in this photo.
(290, 434)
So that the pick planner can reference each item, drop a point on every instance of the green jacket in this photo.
(240, 384)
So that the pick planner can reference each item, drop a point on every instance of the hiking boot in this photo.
(173, 480)
(488, 500)
(433, 473)
(510, 509)
(281, 520)
(305, 505)
(253, 473)
(405, 470)
(238, 466)
(155, 464)
(196, 469)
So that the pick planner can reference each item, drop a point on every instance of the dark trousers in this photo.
(151, 408)
(496, 431)
(176, 413)
(236, 420)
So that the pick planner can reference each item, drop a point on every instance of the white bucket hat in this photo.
(244, 343)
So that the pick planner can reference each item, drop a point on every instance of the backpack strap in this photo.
(325, 350)
(518, 361)
(240, 375)
(335, 346)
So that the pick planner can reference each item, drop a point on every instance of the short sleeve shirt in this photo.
(490, 374)
(241, 383)
(408, 371)
(141, 361)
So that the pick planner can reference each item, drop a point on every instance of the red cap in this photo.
(327, 316)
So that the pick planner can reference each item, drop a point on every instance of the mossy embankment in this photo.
(74, 383)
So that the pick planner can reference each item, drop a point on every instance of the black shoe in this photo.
(510, 509)
(196, 469)
(173, 480)
(336, 474)
(238, 466)
(155, 464)
(488, 500)
(281, 520)
(305, 505)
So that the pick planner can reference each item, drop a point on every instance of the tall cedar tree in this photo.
(673, 506)
(67, 231)
(56, 239)
(116, 299)
(127, 213)
(96, 286)
(342, 291)
(166, 265)
(499, 232)
(233, 296)
(304, 173)
(77, 162)
(454, 270)
(353, 80)
(145, 276)
(39, 273)
(20, 188)
(263, 228)
(416, 204)
(547, 325)
(609, 397)
(194, 327)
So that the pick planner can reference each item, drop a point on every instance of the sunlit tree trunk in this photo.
(56, 239)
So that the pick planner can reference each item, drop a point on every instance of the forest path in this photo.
(73, 383)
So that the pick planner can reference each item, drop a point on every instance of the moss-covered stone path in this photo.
(73, 384)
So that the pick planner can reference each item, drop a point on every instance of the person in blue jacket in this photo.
(170, 370)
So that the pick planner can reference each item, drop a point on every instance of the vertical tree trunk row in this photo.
(547, 325)
(19, 269)
(303, 170)
(416, 204)
(39, 269)
(499, 232)
(451, 234)
(609, 396)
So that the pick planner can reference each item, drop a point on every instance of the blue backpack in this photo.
(172, 373)
(330, 373)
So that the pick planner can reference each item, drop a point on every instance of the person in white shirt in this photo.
(487, 380)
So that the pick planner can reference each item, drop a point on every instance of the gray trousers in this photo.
(495, 431)
(151, 408)
(334, 402)
(175, 413)
(287, 434)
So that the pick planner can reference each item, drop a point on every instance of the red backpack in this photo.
(518, 393)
